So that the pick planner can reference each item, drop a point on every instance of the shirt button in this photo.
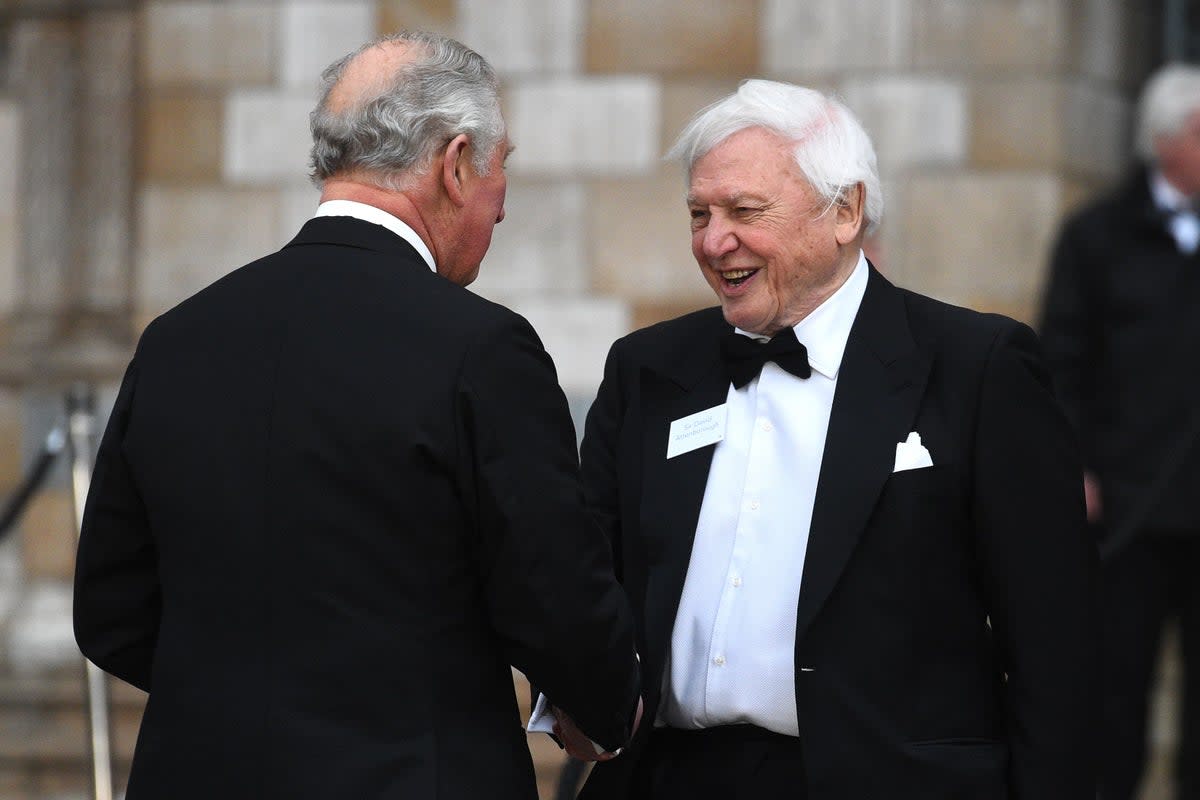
(719, 661)
(754, 505)
(767, 426)
(737, 581)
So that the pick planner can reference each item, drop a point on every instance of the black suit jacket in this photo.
(1121, 331)
(336, 499)
(946, 613)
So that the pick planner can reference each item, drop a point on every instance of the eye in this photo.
(699, 217)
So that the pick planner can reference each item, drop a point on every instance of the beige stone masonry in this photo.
(803, 40)
(431, 15)
(914, 121)
(979, 238)
(314, 33)
(181, 136)
(522, 37)
(192, 236)
(640, 240)
(10, 161)
(716, 37)
(266, 138)
(539, 248)
(208, 43)
(568, 127)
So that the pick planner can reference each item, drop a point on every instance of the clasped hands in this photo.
(576, 742)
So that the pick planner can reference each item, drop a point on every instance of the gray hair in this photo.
(833, 151)
(1171, 95)
(448, 90)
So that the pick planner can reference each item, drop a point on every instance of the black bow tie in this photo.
(744, 357)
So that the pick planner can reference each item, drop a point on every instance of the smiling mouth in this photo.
(736, 277)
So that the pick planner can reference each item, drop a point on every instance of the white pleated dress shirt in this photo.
(733, 645)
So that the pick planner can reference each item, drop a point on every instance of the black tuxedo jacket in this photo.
(945, 627)
(336, 499)
(1121, 335)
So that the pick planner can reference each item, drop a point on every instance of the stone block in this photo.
(1016, 123)
(1024, 35)
(973, 237)
(192, 236)
(980, 34)
(297, 204)
(577, 332)
(641, 241)
(1097, 129)
(11, 466)
(539, 248)
(40, 636)
(683, 100)
(48, 535)
(1097, 33)
(10, 185)
(180, 135)
(524, 36)
(719, 37)
(266, 137)
(800, 40)
(913, 121)
(423, 15)
(312, 34)
(208, 42)
(585, 126)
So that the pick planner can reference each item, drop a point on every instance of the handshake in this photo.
(547, 718)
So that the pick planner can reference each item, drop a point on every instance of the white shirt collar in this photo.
(825, 331)
(352, 208)
(1166, 196)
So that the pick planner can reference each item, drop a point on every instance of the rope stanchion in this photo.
(81, 428)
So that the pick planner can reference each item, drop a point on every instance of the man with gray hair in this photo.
(1121, 328)
(338, 494)
(848, 516)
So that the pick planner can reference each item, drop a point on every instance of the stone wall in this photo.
(146, 148)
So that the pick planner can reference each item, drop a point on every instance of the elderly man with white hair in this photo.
(848, 517)
(1121, 329)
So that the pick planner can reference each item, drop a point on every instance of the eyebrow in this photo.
(733, 199)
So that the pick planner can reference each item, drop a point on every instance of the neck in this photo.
(399, 204)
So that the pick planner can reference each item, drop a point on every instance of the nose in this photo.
(719, 238)
(500, 216)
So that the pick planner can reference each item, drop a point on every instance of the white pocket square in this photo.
(911, 454)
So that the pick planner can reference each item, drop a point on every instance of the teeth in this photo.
(737, 274)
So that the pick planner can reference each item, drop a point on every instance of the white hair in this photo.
(447, 90)
(832, 150)
(1171, 95)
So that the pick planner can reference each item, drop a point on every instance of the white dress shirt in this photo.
(352, 208)
(1183, 223)
(733, 644)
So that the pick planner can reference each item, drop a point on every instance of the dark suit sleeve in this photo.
(1039, 571)
(548, 574)
(598, 457)
(1068, 323)
(117, 598)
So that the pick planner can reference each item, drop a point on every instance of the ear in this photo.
(850, 215)
(455, 161)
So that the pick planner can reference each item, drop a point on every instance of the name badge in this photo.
(696, 430)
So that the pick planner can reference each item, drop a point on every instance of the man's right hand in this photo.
(576, 742)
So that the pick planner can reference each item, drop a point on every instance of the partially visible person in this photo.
(338, 494)
(848, 517)
(1120, 326)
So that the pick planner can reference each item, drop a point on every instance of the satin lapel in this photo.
(880, 384)
(673, 489)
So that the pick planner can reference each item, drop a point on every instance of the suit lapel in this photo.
(880, 384)
(689, 380)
